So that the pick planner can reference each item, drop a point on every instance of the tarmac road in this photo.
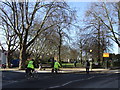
(69, 80)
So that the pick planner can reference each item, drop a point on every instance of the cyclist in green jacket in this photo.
(30, 66)
(56, 66)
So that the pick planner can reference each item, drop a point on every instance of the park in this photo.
(70, 33)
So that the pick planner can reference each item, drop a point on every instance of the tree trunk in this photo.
(59, 54)
(81, 57)
(60, 43)
(9, 57)
(99, 59)
(119, 38)
(8, 60)
(119, 27)
(22, 57)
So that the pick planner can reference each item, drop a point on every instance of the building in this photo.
(3, 57)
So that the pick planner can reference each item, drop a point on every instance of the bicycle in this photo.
(55, 70)
(31, 75)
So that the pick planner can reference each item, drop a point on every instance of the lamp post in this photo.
(91, 62)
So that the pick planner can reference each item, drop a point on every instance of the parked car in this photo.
(15, 63)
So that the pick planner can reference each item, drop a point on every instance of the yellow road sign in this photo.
(105, 54)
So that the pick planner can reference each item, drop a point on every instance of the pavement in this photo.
(67, 70)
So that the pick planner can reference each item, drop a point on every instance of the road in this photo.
(70, 80)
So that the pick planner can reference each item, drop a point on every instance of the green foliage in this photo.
(116, 63)
(67, 65)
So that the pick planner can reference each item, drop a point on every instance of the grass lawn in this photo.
(71, 65)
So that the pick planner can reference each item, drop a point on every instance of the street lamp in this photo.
(90, 50)
(91, 60)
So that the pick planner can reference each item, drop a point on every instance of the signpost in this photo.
(106, 55)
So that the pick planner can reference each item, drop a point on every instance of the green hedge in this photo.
(116, 64)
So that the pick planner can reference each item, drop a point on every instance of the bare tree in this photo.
(98, 29)
(47, 43)
(106, 14)
(11, 41)
(23, 17)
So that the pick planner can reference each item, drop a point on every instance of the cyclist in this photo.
(56, 66)
(30, 67)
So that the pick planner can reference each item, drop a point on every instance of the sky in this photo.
(68, 0)
(81, 7)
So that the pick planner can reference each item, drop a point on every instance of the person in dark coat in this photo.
(87, 66)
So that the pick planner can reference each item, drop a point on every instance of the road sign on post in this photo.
(105, 54)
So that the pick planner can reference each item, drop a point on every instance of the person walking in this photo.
(75, 62)
(56, 66)
(40, 66)
(52, 65)
(87, 66)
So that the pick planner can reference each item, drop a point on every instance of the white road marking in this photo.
(77, 81)
(71, 82)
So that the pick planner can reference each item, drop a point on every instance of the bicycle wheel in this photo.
(35, 74)
(29, 75)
